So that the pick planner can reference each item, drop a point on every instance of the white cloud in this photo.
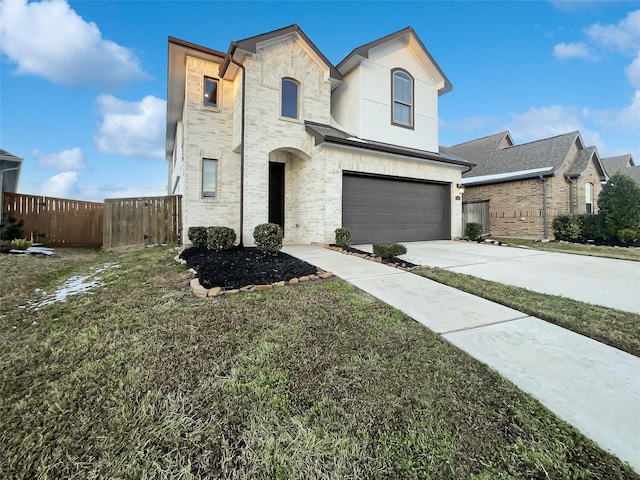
(564, 51)
(624, 35)
(545, 122)
(624, 119)
(132, 129)
(633, 71)
(51, 40)
(71, 159)
(98, 193)
(61, 185)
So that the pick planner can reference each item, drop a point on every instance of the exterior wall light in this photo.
(460, 188)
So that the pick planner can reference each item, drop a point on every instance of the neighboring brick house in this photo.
(523, 187)
(271, 131)
(622, 164)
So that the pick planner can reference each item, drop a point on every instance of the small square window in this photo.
(209, 177)
(210, 92)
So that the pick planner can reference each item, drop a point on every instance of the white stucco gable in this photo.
(363, 102)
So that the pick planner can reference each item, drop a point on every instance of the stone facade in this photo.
(313, 174)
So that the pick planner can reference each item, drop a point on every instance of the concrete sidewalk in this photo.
(592, 386)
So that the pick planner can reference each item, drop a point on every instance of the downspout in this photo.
(242, 131)
(544, 206)
(571, 194)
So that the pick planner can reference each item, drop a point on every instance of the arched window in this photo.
(401, 98)
(588, 197)
(289, 98)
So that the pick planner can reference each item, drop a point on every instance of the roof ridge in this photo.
(504, 132)
(544, 140)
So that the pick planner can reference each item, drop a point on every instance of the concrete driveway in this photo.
(601, 281)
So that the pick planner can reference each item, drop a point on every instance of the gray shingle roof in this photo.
(614, 164)
(622, 164)
(549, 153)
(8, 156)
(583, 157)
(326, 133)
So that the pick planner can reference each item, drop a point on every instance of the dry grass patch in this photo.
(142, 380)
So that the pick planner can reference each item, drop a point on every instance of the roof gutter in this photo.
(393, 150)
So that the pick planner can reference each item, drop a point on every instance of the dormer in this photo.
(390, 92)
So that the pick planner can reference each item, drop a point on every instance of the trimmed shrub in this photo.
(20, 243)
(619, 205)
(198, 237)
(566, 227)
(220, 238)
(10, 228)
(626, 235)
(473, 230)
(343, 237)
(589, 226)
(389, 250)
(268, 238)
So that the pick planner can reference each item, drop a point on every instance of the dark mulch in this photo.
(239, 267)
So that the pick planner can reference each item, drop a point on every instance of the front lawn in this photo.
(139, 379)
(620, 253)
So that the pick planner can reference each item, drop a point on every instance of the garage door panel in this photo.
(381, 209)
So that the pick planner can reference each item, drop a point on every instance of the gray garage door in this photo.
(383, 209)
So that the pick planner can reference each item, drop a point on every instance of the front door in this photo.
(276, 193)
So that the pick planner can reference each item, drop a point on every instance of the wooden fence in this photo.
(56, 222)
(135, 222)
(476, 212)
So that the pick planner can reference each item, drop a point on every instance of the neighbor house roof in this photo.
(622, 164)
(326, 133)
(499, 160)
(10, 164)
(407, 35)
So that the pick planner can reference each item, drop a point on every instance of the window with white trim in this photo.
(209, 177)
(588, 197)
(401, 98)
(289, 97)
(210, 92)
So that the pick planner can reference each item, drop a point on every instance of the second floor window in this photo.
(289, 100)
(402, 98)
(210, 92)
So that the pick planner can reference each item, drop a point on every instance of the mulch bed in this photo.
(239, 267)
(394, 262)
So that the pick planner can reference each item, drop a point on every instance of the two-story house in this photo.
(272, 131)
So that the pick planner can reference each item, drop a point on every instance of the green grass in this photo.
(141, 380)
(620, 253)
(613, 327)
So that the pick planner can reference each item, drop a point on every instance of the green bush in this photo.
(473, 231)
(11, 228)
(268, 238)
(388, 250)
(589, 226)
(220, 238)
(627, 235)
(343, 237)
(20, 243)
(198, 237)
(619, 205)
(566, 227)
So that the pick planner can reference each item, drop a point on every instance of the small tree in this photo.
(10, 228)
(619, 205)
(473, 230)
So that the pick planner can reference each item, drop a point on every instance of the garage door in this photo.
(383, 209)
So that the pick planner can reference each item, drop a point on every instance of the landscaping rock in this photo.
(228, 293)
(326, 275)
(293, 281)
(304, 279)
(248, 288)
(262, 288)
(279, 284)
(215, 292)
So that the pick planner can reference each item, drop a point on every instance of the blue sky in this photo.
(83, 84)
